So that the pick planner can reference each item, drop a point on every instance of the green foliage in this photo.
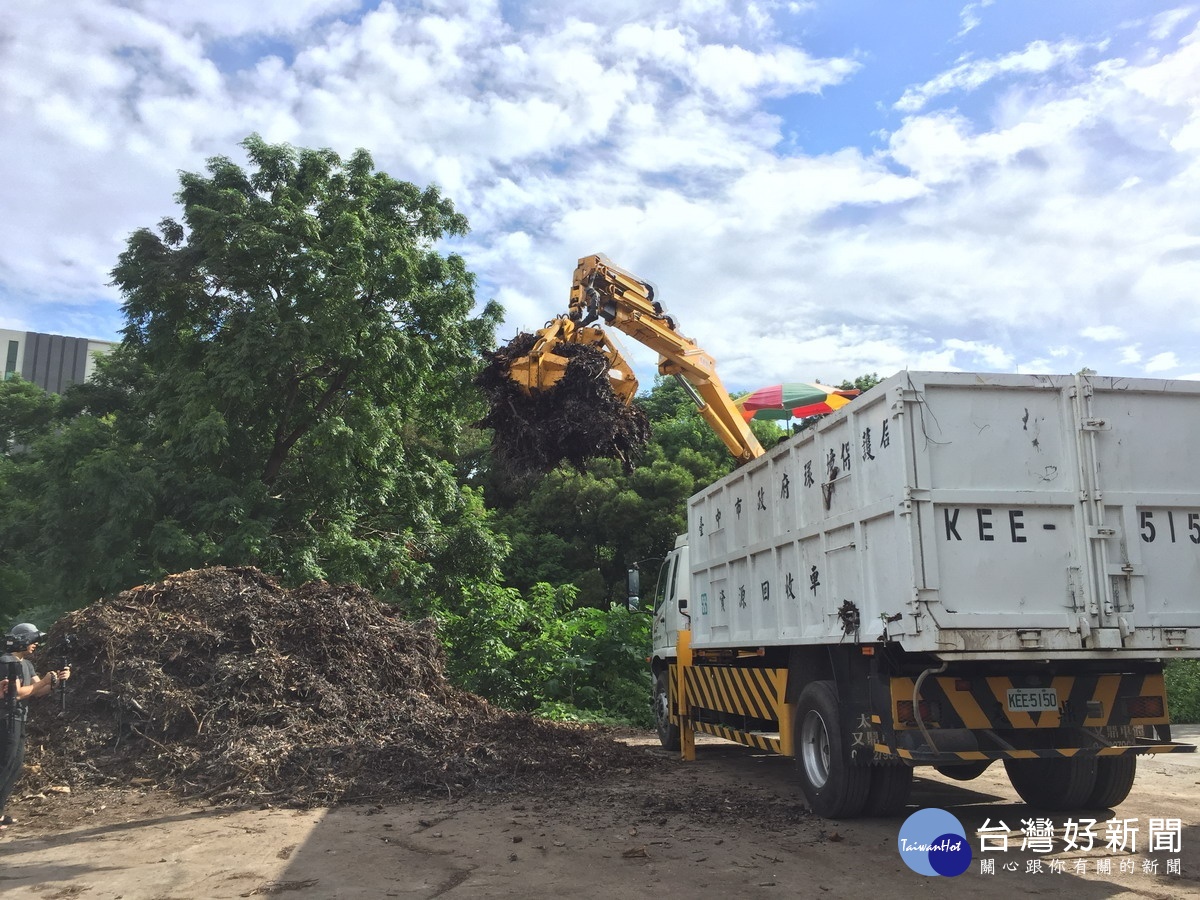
(294, 375)
(558, 711)
(604, 666)
(863, 382)
(1183, 690)
(524, 651)
(26, 411)
(501, 644)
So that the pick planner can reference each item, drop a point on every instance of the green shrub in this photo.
(538, 652)
(557, 711)
(1183, 691)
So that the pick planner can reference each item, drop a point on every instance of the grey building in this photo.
(50, 361)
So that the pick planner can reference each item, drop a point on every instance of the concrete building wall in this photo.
(12, 349)
(51, 361)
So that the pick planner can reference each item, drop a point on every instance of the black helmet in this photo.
(21, 636)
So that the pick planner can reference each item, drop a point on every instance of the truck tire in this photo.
(668, 731)
(1053, 783)
(835, 788)
(1114, 781)
(890, 788)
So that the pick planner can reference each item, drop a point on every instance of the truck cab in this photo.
(671, 601)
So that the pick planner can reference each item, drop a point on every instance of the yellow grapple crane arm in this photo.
(603, 291)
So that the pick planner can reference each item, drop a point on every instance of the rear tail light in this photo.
(905, 715)
(1151, 707)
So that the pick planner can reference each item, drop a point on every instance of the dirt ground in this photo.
(731, 824)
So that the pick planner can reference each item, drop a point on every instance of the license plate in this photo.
(1032, 699)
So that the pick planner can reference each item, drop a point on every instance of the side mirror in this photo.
(683, 604)
(633, 587)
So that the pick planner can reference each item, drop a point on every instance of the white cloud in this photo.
(971, 16)
(1103, 333)
(1035, 59)
(1131, 355)
(737, 77)
(990, 355)
(231, 18)
(1166, 22)
(1161, 362)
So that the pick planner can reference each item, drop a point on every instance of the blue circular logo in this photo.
(933, 842)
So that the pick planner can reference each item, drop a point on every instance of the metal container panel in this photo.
(965, 514)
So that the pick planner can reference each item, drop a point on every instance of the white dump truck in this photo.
(950, 571)
(955, 569)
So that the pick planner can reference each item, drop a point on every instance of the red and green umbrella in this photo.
(793, 399)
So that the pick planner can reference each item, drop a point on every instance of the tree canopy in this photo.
(293, 376)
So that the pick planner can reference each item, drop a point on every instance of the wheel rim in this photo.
(814, 748)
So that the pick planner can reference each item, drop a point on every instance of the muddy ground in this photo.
(731, 824)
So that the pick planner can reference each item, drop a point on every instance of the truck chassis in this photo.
(859, 719)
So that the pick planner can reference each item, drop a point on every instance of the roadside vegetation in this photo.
(1183, 691)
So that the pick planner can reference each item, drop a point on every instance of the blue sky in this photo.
(818, 189)
(897, 47)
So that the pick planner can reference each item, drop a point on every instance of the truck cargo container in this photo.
(954, 570)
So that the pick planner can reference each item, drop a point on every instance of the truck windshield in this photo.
(660, 588)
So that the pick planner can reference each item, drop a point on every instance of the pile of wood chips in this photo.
(577, 420)
(219, 683)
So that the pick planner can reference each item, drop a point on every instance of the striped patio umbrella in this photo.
(794, 399)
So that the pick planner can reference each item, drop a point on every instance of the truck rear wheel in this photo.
(668, 731)
(1114, 781)
(835, 788)
(890, 788)
(1053, 783)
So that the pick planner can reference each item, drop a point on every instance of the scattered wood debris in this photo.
(220, 684)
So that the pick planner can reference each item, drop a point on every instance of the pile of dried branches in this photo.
(219, 683)
(575, 421)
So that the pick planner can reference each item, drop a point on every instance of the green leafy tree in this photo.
(294, 373)
(26, 411)
(863, 382)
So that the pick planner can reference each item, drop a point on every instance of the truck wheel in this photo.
(1114, 781)
(835, 788)
(1053, 783)
(668, 731)
(890, 787)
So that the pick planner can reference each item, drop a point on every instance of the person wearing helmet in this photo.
(22, 684)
